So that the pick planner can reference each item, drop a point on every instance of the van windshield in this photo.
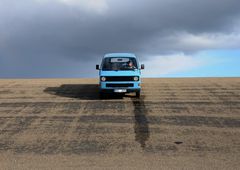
(119, 63)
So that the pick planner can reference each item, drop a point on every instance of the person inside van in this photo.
(130, 65)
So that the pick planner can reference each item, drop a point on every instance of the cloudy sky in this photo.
(66, 38)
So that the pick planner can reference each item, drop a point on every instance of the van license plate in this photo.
(120, 90)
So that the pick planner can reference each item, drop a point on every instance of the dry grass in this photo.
(177, 124)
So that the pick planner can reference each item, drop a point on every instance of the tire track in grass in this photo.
(141, 126)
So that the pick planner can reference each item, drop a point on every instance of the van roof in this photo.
(120, 55)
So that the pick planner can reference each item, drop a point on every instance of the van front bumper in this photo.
(110, 87)
(112, 90)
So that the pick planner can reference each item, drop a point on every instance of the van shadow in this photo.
(79, 91)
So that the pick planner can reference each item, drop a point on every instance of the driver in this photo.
(130, 65)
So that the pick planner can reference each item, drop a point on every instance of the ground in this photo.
(189, 123)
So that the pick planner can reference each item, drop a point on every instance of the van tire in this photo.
(101, 95)
(138, 94)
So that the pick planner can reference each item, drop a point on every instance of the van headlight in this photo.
(103, 78)
(135, 78)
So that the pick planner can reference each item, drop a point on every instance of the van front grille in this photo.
(120, 85)
(119, 78)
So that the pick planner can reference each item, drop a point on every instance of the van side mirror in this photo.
(97, 67)
(142, 66)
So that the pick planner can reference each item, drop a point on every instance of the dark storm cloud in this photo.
(46, 38)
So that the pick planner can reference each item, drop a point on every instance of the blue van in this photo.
(119, 73)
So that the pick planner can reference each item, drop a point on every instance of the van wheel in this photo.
(101, 95)
(138, 94)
